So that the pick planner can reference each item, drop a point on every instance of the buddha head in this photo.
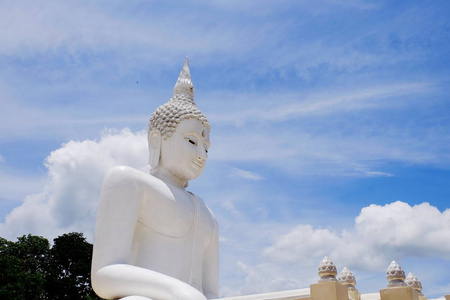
(178, 133)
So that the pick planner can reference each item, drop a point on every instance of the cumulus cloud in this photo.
(380, 234)
(69, 200)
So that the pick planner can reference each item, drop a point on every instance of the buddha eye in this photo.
(192, 141)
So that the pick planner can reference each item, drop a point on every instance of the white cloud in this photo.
(247, 175)
(325, 149)
(380, 234)
(338, 133)
(264, 8)
(319, 104)
(75, 174)
(258, 280)
(140, 34)
(78, 28)
(369, 173)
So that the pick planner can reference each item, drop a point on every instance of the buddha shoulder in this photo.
(128, 183)
(121, 176)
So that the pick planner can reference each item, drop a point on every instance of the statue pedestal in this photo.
(329, 291)
(399, 293)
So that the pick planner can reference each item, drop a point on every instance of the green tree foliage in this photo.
(69, 269)
(22, 267)
(30, 269)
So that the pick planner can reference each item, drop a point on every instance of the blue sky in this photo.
(330, 126)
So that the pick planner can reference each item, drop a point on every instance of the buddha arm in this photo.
(112, 274)
(121, 280)
(211, 266)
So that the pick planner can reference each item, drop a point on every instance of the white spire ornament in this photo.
(327, 270)
(395, 275)
(414, 282)
(184, 83)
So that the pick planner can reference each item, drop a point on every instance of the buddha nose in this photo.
(201, 157)
(201, 153)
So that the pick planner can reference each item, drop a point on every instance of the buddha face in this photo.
(184, 154)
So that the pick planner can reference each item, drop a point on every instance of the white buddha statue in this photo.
(153, 239)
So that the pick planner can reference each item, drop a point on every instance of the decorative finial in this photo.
(395, 275)
(327, 270)
(184, 83)
(348, 279)
(414, 282)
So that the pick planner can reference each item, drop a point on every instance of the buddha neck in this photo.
(169, 177)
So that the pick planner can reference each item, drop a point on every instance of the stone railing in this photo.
(400, 287)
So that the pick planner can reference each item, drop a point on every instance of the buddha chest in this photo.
(170, 213)
(172, 233)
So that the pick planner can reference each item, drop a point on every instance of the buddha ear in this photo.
(154, 143)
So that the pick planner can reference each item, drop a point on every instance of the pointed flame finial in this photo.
(184, 83)
(395, 275)
(327, 270)
(347, 278)
(414, 282)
